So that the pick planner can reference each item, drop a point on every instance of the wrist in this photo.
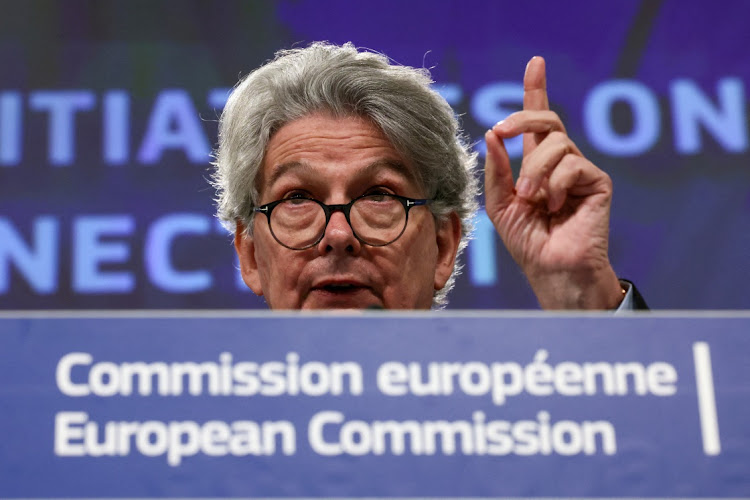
(591, 290)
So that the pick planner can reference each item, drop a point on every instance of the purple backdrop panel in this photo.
(108, 115)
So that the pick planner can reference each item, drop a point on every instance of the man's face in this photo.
(335, 160)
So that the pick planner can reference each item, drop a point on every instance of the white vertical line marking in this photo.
(704, 383)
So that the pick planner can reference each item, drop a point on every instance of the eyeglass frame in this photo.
(345, 208)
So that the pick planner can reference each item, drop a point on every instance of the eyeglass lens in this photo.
(376, 220)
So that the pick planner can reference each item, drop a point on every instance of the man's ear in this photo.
(448, 236)
(245, 247)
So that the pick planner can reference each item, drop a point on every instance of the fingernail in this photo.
(530, 61)
(502, 124)
(523, 187)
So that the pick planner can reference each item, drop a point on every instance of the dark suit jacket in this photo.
(639, 304)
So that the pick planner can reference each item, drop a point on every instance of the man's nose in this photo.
(339, 237)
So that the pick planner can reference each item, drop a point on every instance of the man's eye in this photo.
(379, 194)
(296, 194)
(296, 197)
(380, 198)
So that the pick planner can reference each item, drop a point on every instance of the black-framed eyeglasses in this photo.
(376, 219)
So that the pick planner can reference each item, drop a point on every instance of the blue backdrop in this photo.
(108, 115)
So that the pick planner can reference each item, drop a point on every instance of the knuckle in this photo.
(561, 137)
(572, 160)
(556, 121)
(562, 150)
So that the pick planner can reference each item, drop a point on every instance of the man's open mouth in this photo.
(341, 293)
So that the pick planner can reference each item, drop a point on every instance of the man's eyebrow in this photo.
(284, 168)
(395, 165)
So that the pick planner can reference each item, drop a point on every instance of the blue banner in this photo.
(177, 405)
(109, 112)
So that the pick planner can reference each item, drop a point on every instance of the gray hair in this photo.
(345, 82)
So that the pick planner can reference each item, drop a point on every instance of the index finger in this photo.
(535, 85)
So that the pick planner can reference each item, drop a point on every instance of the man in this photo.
(348, 184)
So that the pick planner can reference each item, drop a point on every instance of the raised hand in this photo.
(554, 219)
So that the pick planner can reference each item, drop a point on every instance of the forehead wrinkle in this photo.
(347, 136)
(315, 139)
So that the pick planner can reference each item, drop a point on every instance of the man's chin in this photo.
(354, 298)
